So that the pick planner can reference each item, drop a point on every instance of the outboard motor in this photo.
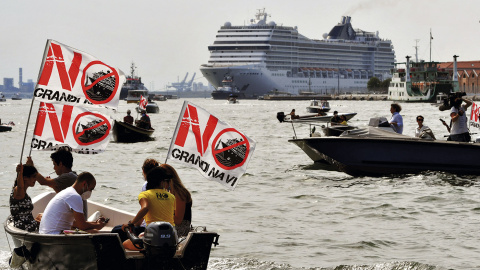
(159, 244)
(281, 116)
(160, 240)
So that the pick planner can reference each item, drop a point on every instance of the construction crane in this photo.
(180, 86)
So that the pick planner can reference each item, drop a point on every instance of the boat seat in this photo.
(133, 254)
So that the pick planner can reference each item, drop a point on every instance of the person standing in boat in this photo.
(396, 122)
(183, 202)
(157, 203)
(65, 210)
(62, 165)
(423, 131)
(459, 129)
(21, 205)
(128, 118)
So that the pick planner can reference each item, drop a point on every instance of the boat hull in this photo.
(104, 250)
(367, 156)
(123, 132)
(4, 128)
(314, 118)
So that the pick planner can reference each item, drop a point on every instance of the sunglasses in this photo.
(420, 120)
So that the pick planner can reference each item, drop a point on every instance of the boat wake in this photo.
(247, 264)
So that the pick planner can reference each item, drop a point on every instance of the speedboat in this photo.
(2, 97)
(317, 106)
(311, 117)
(377, 150)
(124, 132)
(16, 96)
(6, 127)
(104, 250)
(151, 107)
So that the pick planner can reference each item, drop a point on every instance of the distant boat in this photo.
(151, 107)
(2, 97)
(16, 96)
(421, 81)
(132, 82)
(227, 89)
(134, 95)
(317, 106)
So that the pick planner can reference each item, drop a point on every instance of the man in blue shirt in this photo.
(396, 121)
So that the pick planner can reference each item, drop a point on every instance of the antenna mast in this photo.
(416, 49)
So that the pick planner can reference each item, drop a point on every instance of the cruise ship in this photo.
(264, 56)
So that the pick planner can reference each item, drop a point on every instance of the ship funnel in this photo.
(407, 69)
(455, 74)
(348, 19)
(343, 20)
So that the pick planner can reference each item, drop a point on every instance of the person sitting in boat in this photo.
(144, 121)
(459, 129)
(21, 205)
(147, 166)
(343, 120)
(65, 210)
(62, 165)
(128, 118)
(396, 122)
(157, 203)
(423, 131)
(183, 202)
(293, 115)
(335, 120)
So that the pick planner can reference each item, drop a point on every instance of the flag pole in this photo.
(179, 122)
(45, 52)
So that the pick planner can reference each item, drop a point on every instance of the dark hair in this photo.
(149, 164)
(86, 177)
(420, 116)
(28, 171)
(396, 106)
(335, 112)
(156, 176)
(64, 156)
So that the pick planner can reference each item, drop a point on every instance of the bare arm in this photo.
(140, 214)
(180, 210)
(19, 190)
(82, 224)
(44, 181)
(468, 103)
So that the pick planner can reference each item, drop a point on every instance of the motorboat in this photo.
(104, 250)
(336, 129)
(6, 127)
(16, 96)
(377, 150)
(134, 95)
(311, 117)
(318, 106)
(151, 107)
(2, 97)
(232, 99)
(124, 132)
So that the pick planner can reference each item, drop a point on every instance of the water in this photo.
(286, 212)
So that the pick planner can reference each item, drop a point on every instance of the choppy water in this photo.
(287, 212)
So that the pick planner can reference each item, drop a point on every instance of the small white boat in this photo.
(318, 106)
(16, 96)
(311, 117)
(151, 107)
(104, 250)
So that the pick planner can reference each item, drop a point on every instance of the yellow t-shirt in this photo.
(161, 204)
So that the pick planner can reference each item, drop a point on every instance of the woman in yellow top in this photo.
(157, 204)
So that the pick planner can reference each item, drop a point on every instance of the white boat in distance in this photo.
(265, 55)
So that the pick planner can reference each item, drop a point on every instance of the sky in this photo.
(166, 39)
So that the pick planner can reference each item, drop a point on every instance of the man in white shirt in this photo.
(67, 207)
(459, 130)
(396, 121)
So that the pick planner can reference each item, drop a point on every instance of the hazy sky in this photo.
(168, 38)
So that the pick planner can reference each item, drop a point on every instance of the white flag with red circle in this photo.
(220, 152)
(83, 131)
(143, 103)
(72, 77)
